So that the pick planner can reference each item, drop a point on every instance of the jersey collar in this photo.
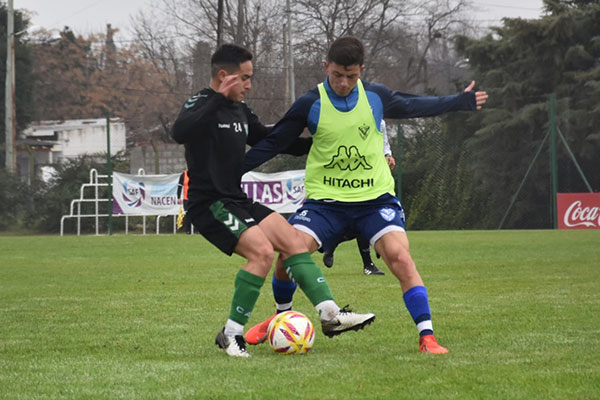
(342, 103)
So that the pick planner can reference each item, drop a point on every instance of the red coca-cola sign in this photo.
(578, 210)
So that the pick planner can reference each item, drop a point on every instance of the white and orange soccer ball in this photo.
(291, 332)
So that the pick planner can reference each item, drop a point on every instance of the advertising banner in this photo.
(157, 194)
(578, 210)
(282, 191)
(145, 194)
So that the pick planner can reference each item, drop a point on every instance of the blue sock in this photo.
(417, 303)
(283, 291)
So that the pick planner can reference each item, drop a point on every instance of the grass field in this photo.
(134, 317)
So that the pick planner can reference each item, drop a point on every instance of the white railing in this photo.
(95, 183)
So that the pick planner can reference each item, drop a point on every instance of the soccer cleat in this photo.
(258, 333)
(345, 321)
(328, 259)
(371, 269)
(233, 345)
(428, 344)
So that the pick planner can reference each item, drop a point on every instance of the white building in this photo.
(50, 142)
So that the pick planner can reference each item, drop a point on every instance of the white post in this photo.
(290, 53)
(96, 205)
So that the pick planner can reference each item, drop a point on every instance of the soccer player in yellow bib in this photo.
(364, 247)
(348, 183)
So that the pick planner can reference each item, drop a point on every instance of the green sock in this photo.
(308, 276)
(245, 294)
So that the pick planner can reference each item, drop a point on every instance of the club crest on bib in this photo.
(387, 213)
(364, 131)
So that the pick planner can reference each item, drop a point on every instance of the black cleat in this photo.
(328, 259)
(371, 269)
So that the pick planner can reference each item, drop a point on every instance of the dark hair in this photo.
(346, 51)
(228, 57)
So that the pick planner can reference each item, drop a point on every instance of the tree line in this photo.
(458, 171)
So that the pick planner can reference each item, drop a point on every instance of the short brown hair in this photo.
(346, 51)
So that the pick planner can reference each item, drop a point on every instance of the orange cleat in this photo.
(258, 333)
(428, 344)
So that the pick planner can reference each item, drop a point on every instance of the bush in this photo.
(38, 207)
(16, 201)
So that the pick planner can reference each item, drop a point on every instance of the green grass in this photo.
(133, 317)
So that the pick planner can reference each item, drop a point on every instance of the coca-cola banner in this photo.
(578, 210)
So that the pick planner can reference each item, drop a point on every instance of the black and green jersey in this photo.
(215, 131)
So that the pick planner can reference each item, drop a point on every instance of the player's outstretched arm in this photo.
(480, 97)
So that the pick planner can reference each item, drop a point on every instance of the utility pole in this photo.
(290, 53)
(286, 69)
(239, 36)
(220, 23)
(10, 125)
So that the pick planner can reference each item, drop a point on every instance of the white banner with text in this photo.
(145, 194)
(281, 191)
(157, 194)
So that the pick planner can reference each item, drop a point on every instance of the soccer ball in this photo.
(291, 332)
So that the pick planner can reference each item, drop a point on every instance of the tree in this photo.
(184, 33)
(23, 71)
(175, 30)
(79, 77)
(520, 64)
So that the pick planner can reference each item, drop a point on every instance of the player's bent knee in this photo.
(401, 261)
(256, 249)
(263, 254)
(294, 243)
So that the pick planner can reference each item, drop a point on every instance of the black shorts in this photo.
(223, 221)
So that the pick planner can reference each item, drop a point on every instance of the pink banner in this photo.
(578, 210)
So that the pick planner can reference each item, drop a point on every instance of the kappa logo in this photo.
(387, 213)
(348, 158)
(364, 131)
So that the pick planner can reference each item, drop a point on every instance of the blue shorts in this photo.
(328, 222)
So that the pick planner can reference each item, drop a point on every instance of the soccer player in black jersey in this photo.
(215, 125)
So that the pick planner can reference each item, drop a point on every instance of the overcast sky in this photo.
(91, 16)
